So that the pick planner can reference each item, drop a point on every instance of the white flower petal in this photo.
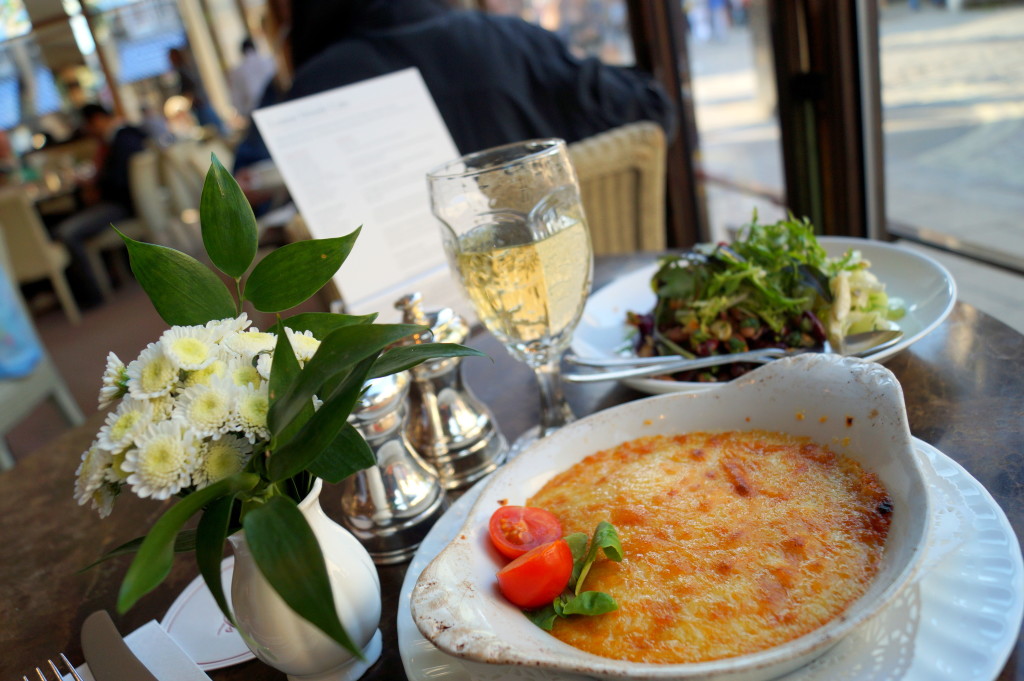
(189, 347)
(152, 374)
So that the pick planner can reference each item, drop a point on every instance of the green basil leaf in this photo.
(183, 290)
(153, 561)
(227, 221)
(348, 453)
(339, 351)
(299, 452)
(184, 542)
(577, 542)
(589, 603)
(288, 555)
(605, 537)
(542, 617)
(291, 274)
(212, 532)
(322, 323)
(407, 356)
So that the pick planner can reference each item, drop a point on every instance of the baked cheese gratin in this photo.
(734, 542)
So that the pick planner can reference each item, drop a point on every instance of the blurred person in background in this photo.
(190, 85)
(495, 79)
(107, 197)
(250, 78)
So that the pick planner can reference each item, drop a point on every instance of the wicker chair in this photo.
(622, 183)
(33, 254)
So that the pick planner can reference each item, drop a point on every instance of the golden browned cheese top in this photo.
(734, 542)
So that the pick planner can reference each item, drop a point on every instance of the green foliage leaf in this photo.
(228, 223)
(153, 561)
(322, 323)
(299, 452)
(407, 356)
(211, 535)
(339, 351)
(287, 553)
(184, 542)
(291, 274)
(348, 453)
(182, 289)
(284, 371)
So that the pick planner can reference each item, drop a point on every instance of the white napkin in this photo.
(160, 653)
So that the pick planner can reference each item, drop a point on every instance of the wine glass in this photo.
(514, 231)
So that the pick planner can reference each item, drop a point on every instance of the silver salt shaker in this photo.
(391, 506)
(453, 430)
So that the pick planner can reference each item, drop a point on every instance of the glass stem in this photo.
(554, 410)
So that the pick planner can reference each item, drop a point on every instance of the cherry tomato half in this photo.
(517, 529)
(536, 577)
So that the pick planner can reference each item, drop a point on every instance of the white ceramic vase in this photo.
(286, 641)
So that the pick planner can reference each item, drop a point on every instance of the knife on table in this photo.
(109, 657)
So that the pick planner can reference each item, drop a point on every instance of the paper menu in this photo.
(359, 155)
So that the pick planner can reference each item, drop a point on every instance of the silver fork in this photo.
(71, 670)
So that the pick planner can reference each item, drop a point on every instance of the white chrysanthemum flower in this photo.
(242, 373)
(152, 374)
(250, 343)
(222, 328)
(91, 473)
(216, 368)
(220, 458)
(116, 474)
(121, 426)
(103, 499)
(115, 381)
(162, 407)
(208, 410)
(162, 462)
(251, 408)
(264, 363)
(189, 347)
(304, 344)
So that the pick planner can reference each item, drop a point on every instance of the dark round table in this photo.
(963, 386)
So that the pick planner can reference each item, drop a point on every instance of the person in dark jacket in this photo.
(495, 79)
(108, 197)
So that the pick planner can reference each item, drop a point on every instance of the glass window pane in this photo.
(953, 109)
(733, 81)
(591, 28)
(14, 21)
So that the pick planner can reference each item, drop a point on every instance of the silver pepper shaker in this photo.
(391, 506)
(453, 430)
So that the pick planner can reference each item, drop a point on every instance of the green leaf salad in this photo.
(775, 286)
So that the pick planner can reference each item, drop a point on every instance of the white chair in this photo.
(34, 255)
(622, 185)
(19, 396)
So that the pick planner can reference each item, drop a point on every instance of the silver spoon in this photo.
(855, 345)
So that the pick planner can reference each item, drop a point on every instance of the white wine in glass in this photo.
(515, 233)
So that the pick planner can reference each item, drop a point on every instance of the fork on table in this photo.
(70, 667)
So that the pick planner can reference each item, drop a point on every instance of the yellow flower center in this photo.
(161, 459)
(124, 424)
(203, 376)
(245, 375)
(157, 375)
(221, 461)
(254, 409)
(190, 350)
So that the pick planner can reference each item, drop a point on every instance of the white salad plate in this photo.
(958, 622)
(926, 288)
(196, 623)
